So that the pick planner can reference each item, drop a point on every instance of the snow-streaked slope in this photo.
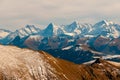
(77, 29)
(3, 33)
(22, 33)
(28, 30)
(24, 64)
(33, 41)
(70, 28)
(106, 28)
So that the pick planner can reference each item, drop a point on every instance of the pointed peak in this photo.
(75, 23)
(104, 22)
(51, 24)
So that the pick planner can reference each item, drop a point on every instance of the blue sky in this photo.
(17, 13)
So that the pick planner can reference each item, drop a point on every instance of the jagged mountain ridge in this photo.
(105, 28)
(22, 33)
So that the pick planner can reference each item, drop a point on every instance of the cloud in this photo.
(17, 13)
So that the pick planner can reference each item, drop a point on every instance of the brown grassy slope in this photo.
(25, 64)
(99, 70)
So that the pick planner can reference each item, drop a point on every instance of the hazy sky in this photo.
(17, 13)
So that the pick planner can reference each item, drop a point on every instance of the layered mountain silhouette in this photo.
(73, 42)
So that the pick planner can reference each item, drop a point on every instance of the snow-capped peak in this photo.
(51, 26)
(50, 30)
(4, 33)
(101, 23)
(104, 22)
(75, 23)
(27, 30)
(22, 33)
(32, 28)
(106, 28)
(70, 28)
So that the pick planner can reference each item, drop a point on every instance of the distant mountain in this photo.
(78, 29)
(52, 30)
(33, 41)
(28, 30)
(104, 28)
(107, 29)
(74, 29)
(67, 41)
(71, 28)
(4, 33)
(22, 33)
(105, 44)
(26, 64)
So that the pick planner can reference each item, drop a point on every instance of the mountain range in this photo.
(105, 28)
(75, 42)
(68, 52)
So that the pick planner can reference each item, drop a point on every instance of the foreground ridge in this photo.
(25, 64)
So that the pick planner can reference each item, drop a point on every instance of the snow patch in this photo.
(67, 48)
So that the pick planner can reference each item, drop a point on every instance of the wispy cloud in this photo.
(15, 13)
